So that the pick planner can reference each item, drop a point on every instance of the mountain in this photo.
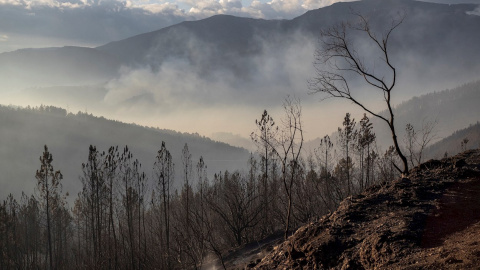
(432, 39)
(454, 143)
(25, 131)
(223, 35)
(452, 109)
(56, 66)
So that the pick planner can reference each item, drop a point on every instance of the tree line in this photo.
(130, 217)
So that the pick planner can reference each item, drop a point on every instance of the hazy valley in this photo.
(163, 159)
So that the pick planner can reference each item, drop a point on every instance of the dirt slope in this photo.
(429, 221)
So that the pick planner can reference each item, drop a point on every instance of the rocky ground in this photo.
(429, 221)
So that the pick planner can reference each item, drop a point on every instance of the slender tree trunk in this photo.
(49, 233)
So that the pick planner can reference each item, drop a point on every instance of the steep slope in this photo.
(24, 132)
(417, 223)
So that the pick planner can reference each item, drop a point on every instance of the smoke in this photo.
(475, 12)
(184, 97)
(204, 87)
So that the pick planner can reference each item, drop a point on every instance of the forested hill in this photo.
(460, 140)
(452, 109)
(25, 131)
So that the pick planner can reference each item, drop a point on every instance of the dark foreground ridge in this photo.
(429, 221)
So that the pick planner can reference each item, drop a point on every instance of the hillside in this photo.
(403, 224)
(440, 106)
(24, 132)
(453, 110)
(453, 143)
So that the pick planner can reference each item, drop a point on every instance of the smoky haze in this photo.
(217, 75)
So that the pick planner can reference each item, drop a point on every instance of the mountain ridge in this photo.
(230, 43)
(68, 137)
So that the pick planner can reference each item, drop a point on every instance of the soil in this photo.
(430, 220)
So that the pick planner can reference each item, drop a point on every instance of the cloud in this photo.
(163, 8)
(11, 2)
(177, 96)
(3, 38)
(273, 9)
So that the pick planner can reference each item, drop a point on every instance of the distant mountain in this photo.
(235, 140)
(452, 144)
(56, 66)
(24, 132)
(222, 35)
(452, 109)
(433, 39)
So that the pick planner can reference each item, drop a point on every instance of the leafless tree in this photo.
(263, 138)
(49, 188)
(416, 142)
(347, 137)
(366, 138)
(323, 155)
(339, 58)
(463, 144)
(164, 173)
(287, 146)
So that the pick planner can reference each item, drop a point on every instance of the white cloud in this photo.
(10, 2)
(272, 9)
(3, 38)
(161, 8)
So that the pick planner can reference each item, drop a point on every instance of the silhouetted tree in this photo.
(164, 172)
(366, 137)
(264, 138)
(463, 144)
(287, 146)
(339, 58)
(49, 188)
(347, 137)
(416, 142)
(326, 185)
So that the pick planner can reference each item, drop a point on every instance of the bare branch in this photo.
(337, 58)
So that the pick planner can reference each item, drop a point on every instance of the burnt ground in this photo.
(429, 221)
